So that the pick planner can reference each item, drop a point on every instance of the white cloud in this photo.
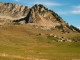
(77, 7)
(17, 0)
(47, 3)
(78, 27)
(76, 10)
(73, 10)
(62, 12)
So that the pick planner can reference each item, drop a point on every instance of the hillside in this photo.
(36, 33)
(38, 15)
(20, 43)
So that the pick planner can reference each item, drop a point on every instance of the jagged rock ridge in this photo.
(44, 17)
(13, 10)
(37, 15)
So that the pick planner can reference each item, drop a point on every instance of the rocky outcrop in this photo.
(41, 16)
(37, 15)
(13, 10)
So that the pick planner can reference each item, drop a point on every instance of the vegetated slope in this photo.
(23, 42)
(38, 17)
(32, 33)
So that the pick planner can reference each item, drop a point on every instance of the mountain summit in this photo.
(38, 15)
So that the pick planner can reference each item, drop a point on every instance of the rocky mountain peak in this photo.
(43, 11)
(37, 15)
(41, 16)
(13, 10)
(39, 7)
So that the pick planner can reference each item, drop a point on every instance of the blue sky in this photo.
(69, 10)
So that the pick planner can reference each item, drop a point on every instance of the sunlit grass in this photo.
(24, 41)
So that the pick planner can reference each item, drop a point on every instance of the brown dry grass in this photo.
(25, 41)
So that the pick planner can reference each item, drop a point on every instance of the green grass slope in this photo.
(23, 42)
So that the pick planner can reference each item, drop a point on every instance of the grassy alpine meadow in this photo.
(20, 42)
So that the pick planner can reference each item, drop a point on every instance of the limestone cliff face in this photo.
(41, 16)
(37, 15)
(13, 10)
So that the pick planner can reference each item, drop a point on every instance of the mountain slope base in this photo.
(17, 40)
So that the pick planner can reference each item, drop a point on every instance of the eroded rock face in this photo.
(13, 10)
(41, 16)
(37, 15)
